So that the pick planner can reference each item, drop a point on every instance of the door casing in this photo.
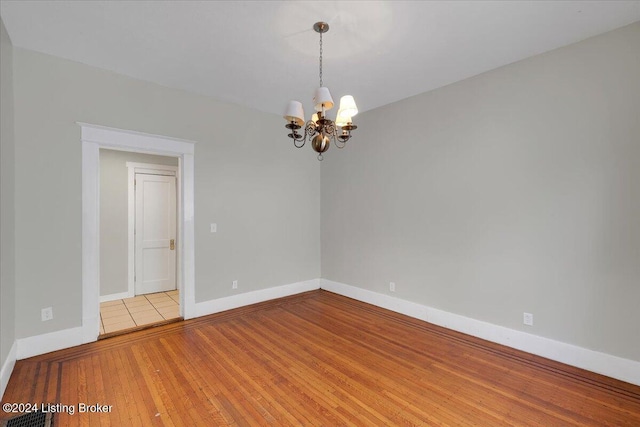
(94, 137)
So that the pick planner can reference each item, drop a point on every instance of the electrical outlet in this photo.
(234, 284)
(392, 286)
(527, 319)
(46, 314)
(214, 228)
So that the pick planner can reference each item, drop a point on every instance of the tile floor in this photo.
(138, 311)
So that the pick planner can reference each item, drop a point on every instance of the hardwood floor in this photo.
(316, 359)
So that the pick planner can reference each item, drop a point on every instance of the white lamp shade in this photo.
(341, 119)
(348, 106)
(294, 113)
(322, 97)
(314, 118)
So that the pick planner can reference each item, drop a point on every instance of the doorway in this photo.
(93, 139)
(138, 211)
(139, 312)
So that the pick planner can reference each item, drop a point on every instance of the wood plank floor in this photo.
(316, 359)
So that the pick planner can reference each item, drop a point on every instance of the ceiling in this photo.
(261, 54)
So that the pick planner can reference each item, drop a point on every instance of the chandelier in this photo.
(321, 130)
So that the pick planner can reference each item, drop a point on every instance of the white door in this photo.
(155, 231)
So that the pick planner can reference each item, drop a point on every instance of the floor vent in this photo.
(30, 419)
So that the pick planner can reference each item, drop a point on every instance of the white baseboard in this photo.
(601, 363)
(240, 300)
(45, 343)
(113, 297)
(66, 338)
(7, 368)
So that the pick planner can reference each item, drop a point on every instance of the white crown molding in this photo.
(601, 363)
(7, 368)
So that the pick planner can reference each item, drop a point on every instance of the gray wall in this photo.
(114, 201)
(512, 191)
(7, 181)
(516, 190)
(263, 194)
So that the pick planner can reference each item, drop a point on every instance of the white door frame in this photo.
(132, 169)
(93, 138)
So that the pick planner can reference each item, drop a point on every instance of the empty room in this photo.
(334, 213)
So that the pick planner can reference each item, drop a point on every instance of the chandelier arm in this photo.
(310, 129)
(338, 140)
(303, 140)
(333, 128)
(295, 135)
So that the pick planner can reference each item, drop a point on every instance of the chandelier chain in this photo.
(321, 59)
